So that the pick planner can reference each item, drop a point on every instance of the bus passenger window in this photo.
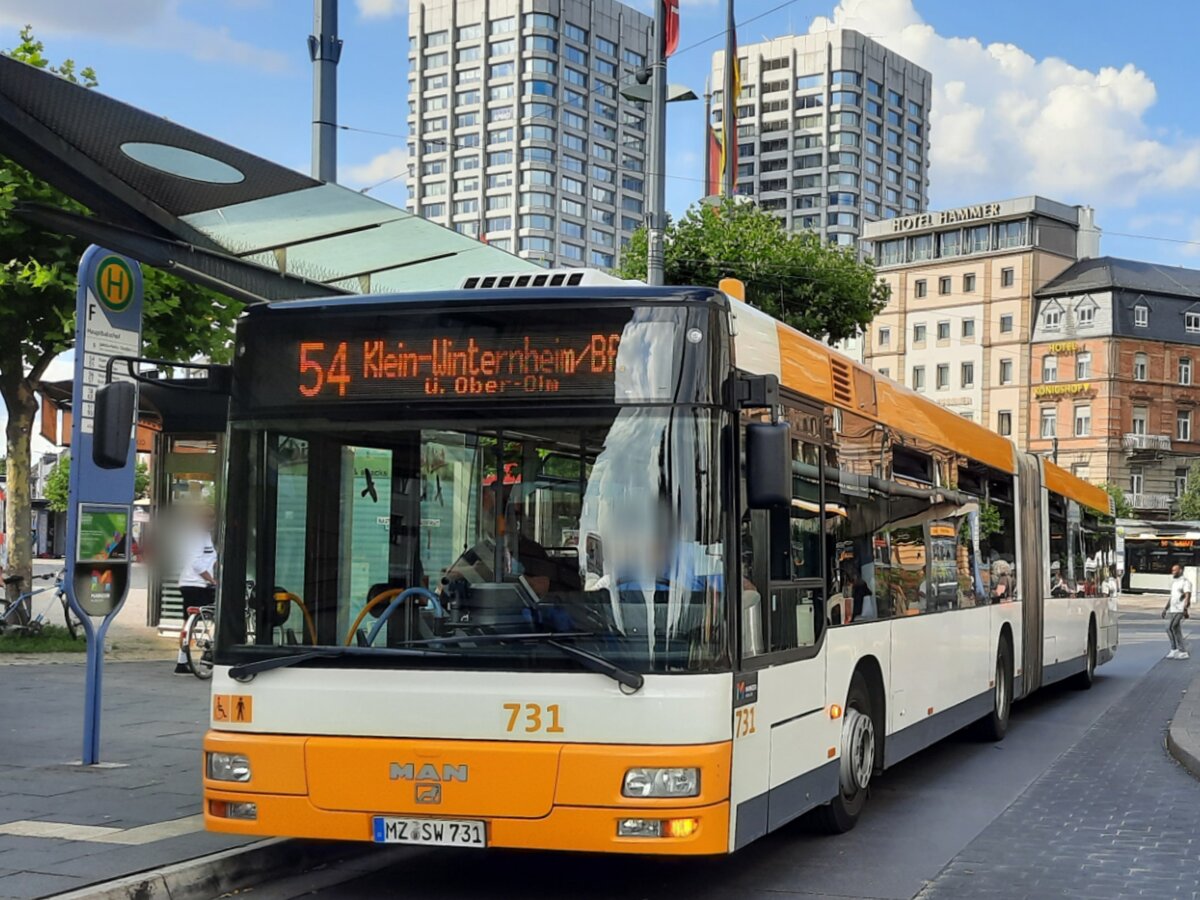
(754, 581)
(908, 575)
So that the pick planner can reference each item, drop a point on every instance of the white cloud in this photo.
(392, 164)
(1004, 123)
(146, 23)
(380, 9)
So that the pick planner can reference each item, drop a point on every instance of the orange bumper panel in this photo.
(276, 762)
(586, 829)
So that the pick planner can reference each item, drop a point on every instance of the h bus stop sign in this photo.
(108, 323)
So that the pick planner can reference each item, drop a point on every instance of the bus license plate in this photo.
(431, 832)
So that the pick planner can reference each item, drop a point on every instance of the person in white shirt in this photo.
(197, 579)
(1177, 608)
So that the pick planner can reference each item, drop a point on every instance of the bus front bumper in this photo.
(582, 811)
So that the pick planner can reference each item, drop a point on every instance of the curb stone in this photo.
(1183, 735)
(217, 874)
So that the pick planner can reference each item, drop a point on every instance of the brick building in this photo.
(1114, 386)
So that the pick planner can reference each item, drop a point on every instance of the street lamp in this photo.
(652, 89)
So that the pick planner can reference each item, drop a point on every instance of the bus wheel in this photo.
(994, 725)
(857, 761)
(1087, 677)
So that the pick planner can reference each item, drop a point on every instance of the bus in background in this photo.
(1152, 548)
(619, 569)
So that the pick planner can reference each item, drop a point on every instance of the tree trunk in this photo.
(21, 403)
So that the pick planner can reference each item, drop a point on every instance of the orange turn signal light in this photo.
(680, 828)
(835, 711)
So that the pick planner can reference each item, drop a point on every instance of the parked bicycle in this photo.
(17, 616)
(199, 629)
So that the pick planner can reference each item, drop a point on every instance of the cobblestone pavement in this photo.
(63, 826)
(1113, 817)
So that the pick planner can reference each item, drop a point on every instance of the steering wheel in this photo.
(404, 595)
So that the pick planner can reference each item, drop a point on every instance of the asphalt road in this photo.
(961, 819)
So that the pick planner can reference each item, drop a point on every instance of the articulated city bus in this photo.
(626, 569)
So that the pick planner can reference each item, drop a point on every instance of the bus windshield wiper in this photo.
(593, 662)
(248, 670)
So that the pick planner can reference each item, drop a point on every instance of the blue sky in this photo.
(1080, 100)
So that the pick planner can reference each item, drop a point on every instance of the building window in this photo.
(919, 334)
(1004, 422)
(918, 378)
(1049, 369)
(919, 288)
(943, 376)
(1083, 421)
(1136, 480)
(1049, 427)
(968, 282)
(1141, 363)
(1006, 324)
(943, 331)
(885, 337)
(1180, 482)
(1051, 318)
(1083, 365)
(968, 329)
(885, 371)
(944, 284)
(968, 374)
(1191, 321)
(1185, 370)
(951, 245)
(1183, 425)
(1141, 316)
(1006, 371)
(1140, 416)
(1006, 277)
(1085, 314)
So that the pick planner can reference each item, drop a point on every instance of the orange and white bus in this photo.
(624, 569)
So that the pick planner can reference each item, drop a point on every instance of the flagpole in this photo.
(730, 107)
(707, 125)
(656, 193)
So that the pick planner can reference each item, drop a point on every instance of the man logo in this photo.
(429, 793)
(427, 772)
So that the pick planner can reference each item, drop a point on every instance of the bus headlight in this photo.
(676, 782)
(228, 767)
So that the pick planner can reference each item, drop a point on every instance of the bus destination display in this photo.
(446, 366)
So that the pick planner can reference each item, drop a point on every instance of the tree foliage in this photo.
(58, 484)
(1120, 503)
(824, 291)
(1189, 500)
(37, 309)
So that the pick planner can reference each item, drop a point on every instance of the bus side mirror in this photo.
(113, 424)
(768, 465)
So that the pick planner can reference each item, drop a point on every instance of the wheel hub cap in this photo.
(858, 751)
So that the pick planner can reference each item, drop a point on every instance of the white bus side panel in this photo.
(779, 768)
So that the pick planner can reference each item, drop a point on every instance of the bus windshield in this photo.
(601, 528)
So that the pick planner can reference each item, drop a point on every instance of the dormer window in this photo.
(1141, 316)
(1085, 313)
(1191, 322)
(1052, 319)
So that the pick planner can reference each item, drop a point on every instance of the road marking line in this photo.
(103, 834)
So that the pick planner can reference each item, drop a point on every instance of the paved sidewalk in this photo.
(1183, 737)
(1113, 817)
(62, 826)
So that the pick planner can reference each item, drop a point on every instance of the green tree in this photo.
(58, 484)
(824, 291)
(141, 481)
(37, 311)
(1120, 504)
(1189, 500)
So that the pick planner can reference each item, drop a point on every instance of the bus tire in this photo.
(856, 762)
(1085, 679)
(994, 725)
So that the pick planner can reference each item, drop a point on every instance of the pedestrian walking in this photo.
(197, 581)
(1177, 609)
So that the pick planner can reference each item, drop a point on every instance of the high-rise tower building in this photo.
(519, 134)
(832, 131)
